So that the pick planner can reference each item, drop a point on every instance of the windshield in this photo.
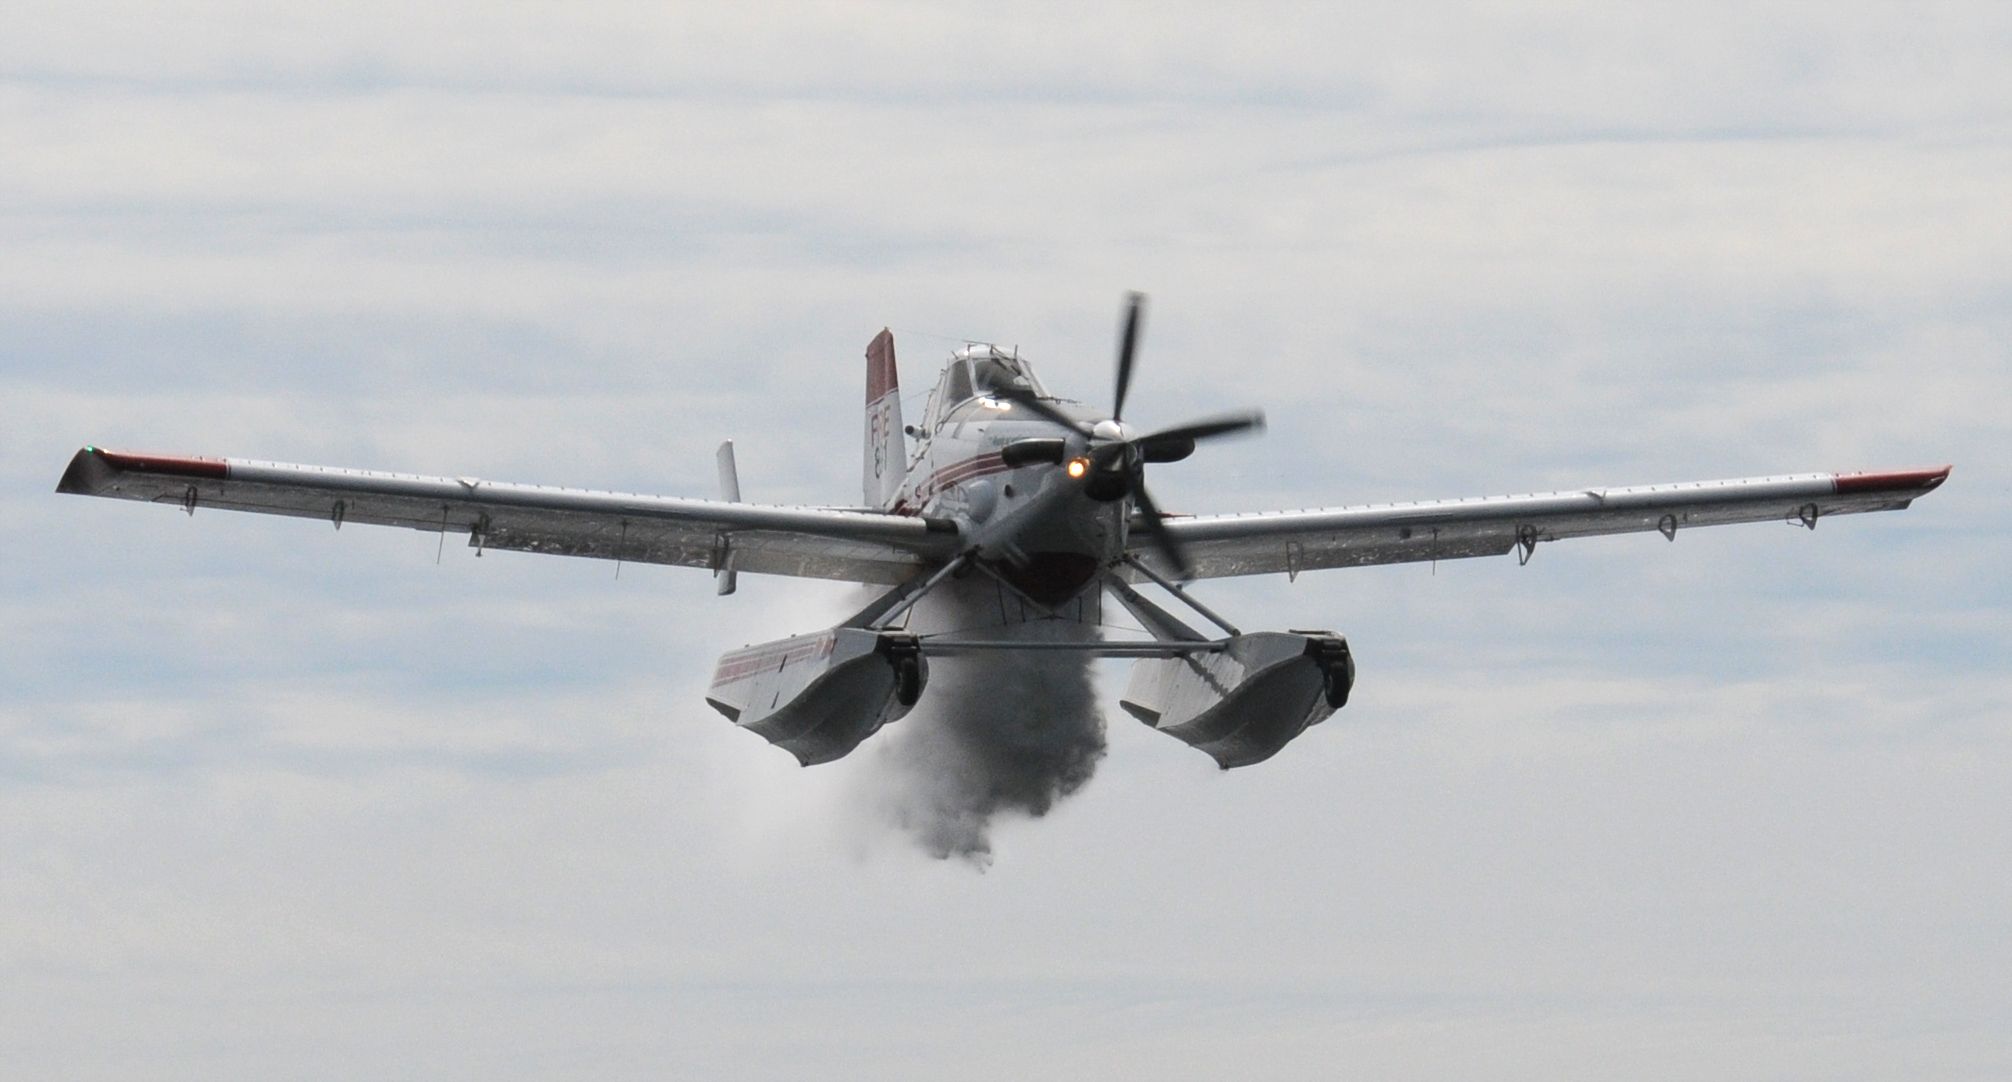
(980, 371)
(995, 373)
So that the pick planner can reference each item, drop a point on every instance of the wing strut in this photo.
(1174, 588)
(888, 607)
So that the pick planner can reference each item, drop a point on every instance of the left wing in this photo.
(810, 542)
(1295, 541)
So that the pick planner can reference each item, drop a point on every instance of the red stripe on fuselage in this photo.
(956, 473)
(967, 469)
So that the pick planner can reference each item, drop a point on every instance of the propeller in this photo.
(1116, 462)
(1135, 310)
(1174, 444)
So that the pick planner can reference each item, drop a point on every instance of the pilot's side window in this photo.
(956, 384)
(954, 388)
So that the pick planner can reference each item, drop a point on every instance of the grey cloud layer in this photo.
(1728, 806)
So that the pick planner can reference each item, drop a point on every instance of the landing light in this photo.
(1077, 467)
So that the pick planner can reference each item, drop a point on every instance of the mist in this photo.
(1001, 733)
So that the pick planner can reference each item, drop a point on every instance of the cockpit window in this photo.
(993, 374)
(956, 384)
(980, 371)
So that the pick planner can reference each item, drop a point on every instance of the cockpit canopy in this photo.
(979, 372)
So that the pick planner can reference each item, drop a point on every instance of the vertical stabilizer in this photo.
(724, 577)
(886, 445)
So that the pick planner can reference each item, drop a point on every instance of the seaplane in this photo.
(1022, 513)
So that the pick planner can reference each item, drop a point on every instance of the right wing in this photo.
(1295, 541)
(810, 542)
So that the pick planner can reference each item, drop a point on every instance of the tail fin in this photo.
(724, 578)
(886, 443)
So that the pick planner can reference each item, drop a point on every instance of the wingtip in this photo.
(77, 476)
(92, 465)
(1924, 480)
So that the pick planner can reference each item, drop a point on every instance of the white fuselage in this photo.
(1060, 539)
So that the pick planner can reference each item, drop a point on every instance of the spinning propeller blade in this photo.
(1154, 520)
(1020, 396)
(1206, 428)
(1135, 308)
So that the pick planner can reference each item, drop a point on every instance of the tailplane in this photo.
(886, 444)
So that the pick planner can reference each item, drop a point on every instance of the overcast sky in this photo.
(281, 802)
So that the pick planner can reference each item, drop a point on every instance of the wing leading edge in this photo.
(1294, 541)
(764, 539)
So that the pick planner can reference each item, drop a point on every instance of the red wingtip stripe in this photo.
(179, 465)
(1891, 480)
